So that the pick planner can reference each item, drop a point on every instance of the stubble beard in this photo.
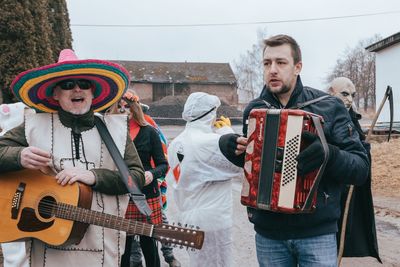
(283, 90)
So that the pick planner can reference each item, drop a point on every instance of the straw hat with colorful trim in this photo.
(35, 87)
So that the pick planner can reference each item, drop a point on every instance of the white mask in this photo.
(343, 89)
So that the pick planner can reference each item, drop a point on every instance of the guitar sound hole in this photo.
(46, 206)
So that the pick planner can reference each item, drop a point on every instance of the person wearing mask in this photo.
(12, 115)
(360, 231)
(200, 179)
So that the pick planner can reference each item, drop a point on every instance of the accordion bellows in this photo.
(271, 179)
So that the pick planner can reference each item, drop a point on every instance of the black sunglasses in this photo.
(70, 84)
(126, 106)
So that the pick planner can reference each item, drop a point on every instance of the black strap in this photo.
(320, 132)
(268, 105)
(314, 187)
(312, 101)
(203, 115)
(136, 195)
(299, 105)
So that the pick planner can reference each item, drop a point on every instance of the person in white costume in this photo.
(12, 115)
(201, 179)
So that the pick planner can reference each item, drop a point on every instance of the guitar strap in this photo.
(134, 192)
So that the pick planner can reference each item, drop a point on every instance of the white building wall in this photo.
(388, 73)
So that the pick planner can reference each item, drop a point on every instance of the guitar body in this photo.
(27, 200)
(33, 205)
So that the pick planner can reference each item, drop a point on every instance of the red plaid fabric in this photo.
(133, 212)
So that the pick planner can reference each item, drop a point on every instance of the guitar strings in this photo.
(161, 231)
(50, 208)
(53, 208)
(47, 207)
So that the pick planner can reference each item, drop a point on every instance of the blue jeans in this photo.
(318, 251)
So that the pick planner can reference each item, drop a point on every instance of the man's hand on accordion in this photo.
(312, 157)
(233, 147)
(241, 145)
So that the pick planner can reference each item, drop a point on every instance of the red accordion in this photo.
(274, 141)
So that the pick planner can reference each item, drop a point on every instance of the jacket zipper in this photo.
(326, 196)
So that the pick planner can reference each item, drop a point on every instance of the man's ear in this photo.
(298, 67)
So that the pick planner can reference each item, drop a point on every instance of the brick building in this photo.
(155, 80)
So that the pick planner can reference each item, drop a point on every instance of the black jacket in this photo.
(350, 166)
(149, 148)
(361, 240)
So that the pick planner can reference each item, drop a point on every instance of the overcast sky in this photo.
(322, 41)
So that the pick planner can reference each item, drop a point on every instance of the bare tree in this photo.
(248, 70)
(358, 65)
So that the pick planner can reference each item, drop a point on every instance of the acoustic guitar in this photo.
(33, 205)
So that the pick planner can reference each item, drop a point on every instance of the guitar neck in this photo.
(73, 213)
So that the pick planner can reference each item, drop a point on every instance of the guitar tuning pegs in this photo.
(191, 226)
(173, 223)
(186, 225)
(197, 228)
(179, 224)
(192, 249)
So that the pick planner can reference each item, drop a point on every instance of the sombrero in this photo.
(35, 87)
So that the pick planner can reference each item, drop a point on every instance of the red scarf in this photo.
(134, 128)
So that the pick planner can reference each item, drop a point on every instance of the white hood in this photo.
(202, 190)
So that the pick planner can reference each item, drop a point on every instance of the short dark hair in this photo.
(282, 39)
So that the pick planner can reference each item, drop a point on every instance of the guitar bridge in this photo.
(16, 200)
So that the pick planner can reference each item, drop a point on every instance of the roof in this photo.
(179, 72)
(384, 43)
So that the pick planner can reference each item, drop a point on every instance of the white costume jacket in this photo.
(100, 246)
(201, 176)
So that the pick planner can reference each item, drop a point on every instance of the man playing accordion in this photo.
(302, 239)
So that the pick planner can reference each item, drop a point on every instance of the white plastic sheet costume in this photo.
(201, 180)
(12, 115)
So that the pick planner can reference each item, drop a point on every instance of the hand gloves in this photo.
(221, 122)
(228, 144)
(312, 157)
